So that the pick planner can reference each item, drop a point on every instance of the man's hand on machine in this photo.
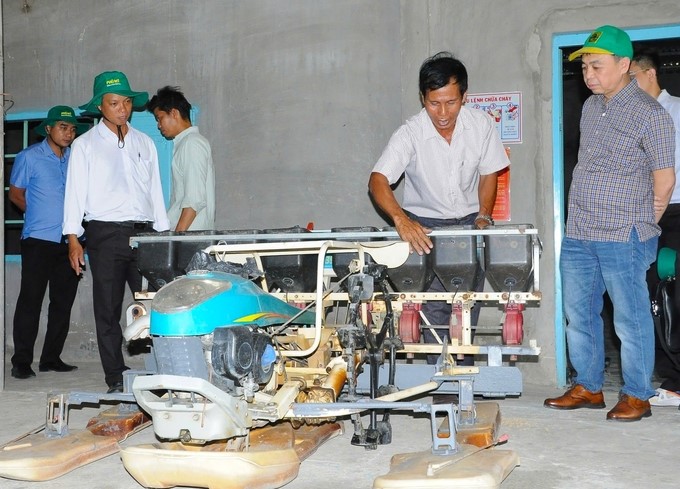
(415, 234)
(482, 221)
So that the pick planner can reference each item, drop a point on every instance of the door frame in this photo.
(559, 42)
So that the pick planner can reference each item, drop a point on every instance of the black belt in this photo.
(139, 225)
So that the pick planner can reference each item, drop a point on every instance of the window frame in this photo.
(141, 120)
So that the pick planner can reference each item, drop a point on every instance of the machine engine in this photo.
(213, 325)
(243, 355)
(211, 351)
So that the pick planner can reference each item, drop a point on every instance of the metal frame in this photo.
(492, 380)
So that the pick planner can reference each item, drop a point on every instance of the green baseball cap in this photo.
(61, 113)
(113, 82)
(606, 39)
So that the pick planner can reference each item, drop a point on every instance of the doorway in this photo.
(569, 94)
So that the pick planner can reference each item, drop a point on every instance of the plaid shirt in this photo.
(622, 142)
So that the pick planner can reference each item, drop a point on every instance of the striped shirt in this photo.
(623, 141)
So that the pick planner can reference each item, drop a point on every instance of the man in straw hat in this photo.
(114, 183)
(625, 163)
(37, 188)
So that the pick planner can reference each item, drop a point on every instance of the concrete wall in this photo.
(300, 97)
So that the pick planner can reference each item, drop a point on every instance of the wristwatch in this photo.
(484, 217)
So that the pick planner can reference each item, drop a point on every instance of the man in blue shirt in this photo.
(37, 187)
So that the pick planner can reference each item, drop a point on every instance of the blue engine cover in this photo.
(201, 301)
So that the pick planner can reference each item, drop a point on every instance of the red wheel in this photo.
(409, 323)
(513, 326)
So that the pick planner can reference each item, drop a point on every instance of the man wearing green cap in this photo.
(113, 183)
(625, 164)
(37, 188)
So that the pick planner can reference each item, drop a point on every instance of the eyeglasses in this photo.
(633, 73)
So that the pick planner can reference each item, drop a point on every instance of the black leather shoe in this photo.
(115, 387)
(57, 366)
(22, 372)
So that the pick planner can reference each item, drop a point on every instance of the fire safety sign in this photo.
(506, 110)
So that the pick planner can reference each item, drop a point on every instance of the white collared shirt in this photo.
(108, 183)
(672, 105)
(193, 180)
(442, 179)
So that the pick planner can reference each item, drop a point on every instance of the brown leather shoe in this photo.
(630, 408)
(575, 398)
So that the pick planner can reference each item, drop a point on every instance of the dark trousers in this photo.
(439, 312)
(42, 263)
(670, 238)
(113, 264)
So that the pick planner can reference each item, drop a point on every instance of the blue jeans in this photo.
(588, 269)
